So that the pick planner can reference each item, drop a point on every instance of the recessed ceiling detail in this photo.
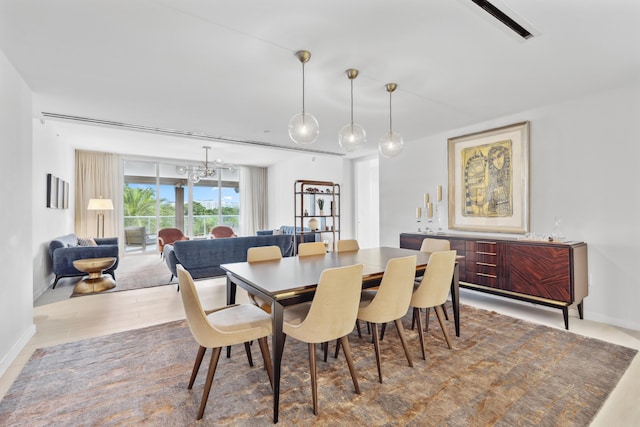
(504, 18)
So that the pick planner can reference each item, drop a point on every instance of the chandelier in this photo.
(208, 169)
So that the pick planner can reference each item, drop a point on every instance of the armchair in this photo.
(222, 231)
(66, 249)
(137, 236)
(166, 236)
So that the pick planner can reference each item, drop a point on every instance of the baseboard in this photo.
(8, 359)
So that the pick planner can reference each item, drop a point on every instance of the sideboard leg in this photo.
(581, 309)
(565, 314)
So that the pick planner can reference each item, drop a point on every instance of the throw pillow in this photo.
(277, 232)
(86, 241)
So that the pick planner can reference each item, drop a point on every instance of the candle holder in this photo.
(419, 219)
(439, 213)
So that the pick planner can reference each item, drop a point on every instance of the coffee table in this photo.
(96, 281)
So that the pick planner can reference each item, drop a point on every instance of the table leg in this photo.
(455, 297)
(231, 299)
(277, 311)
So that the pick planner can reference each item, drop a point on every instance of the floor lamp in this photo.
(100, 205)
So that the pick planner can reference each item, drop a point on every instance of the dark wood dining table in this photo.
(293, 280)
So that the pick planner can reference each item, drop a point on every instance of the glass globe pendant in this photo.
(390, 144)
(303, 127)
(352, 136)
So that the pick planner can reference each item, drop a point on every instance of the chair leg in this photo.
(403, 340)
(196, 366)
(325, 348)
(358, 328)
(266, 356)
(416, 314)
(215, 356)
(347, 355)
(443, 325)
(376, 346)
(426, 322)
(335, 355)
(444, 309)
(382, 331)
(314, 377)
(247, 349)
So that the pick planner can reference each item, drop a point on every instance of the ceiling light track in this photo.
(185, 134)
(504, 18)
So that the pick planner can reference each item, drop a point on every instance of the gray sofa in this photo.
(202, 258)
(66, 249)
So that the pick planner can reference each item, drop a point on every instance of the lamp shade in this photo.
(100, 205)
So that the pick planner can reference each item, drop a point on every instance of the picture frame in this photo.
(489, 180)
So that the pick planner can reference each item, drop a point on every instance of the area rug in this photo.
(140, 271)
(502, 371)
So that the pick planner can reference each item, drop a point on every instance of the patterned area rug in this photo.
(502, 371)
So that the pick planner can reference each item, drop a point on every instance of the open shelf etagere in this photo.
(306, 195)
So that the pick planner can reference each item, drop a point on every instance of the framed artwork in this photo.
(51, 190)
(57, 192)
(489, 180)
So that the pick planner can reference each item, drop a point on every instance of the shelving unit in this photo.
(307, 194)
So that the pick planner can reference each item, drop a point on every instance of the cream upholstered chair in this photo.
(348, 245)
(259, 254)
(390, 302)
(433, 291)
(215, 329)
(311, 248)
(330, 316)
(433, 245)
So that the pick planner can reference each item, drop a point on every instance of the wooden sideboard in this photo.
(553, 274)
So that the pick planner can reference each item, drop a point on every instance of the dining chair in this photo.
(433, 292)
(330, 316)
(219, 328)
(432, 245)
(259, 254)
(390, 302)
(311, 248)
(348, 245)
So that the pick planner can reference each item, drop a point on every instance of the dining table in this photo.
(293, 280)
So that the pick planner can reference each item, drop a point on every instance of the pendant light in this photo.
(391, 143)
(352, 136)
(303, 127)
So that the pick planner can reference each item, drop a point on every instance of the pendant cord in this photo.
(303, 89)
(351, 106)
(390, 131)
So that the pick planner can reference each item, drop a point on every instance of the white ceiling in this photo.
(227, 68)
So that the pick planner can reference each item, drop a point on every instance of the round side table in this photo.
(96, 281)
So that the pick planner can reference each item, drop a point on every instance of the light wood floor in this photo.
(90, 316)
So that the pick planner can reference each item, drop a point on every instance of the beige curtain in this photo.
(253, 200)
(97, 175)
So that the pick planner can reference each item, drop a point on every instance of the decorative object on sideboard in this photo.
(419, 219)
(352, 136)
(303, 127)
(57, 192)
(100, 205)
(489, 180)
(208, 169)
(391, 143)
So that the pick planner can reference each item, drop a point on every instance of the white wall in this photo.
(16, 291)
(584, 163)
(283, 175)
(51, 155)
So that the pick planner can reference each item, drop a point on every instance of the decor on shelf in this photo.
(303, 127)
(206, 170)
(391, 143)
(419, 219)
(313, 224)
(100, 205)
(352, 136)
(489, 180)
(320, 203)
